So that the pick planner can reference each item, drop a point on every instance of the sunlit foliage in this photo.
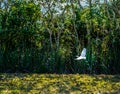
(59, 84)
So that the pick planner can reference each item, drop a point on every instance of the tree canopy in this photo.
(45, 36)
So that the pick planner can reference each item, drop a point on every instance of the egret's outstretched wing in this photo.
(83, 55)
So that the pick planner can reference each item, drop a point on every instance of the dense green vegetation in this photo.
(44, 36)
(59, 84)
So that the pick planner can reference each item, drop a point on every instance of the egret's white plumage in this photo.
(83, 55)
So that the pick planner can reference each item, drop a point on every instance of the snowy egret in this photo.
(83, 55)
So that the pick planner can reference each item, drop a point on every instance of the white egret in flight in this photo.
(83, 55)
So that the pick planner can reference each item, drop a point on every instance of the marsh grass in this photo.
(59, 84)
